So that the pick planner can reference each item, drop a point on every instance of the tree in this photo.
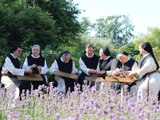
(131, 49)
(86, 26)
(5, 19)
(26, 25)
(152, 36)
(116, 28)
(64, 13)
(46, 22)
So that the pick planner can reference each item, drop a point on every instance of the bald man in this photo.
(127, 64)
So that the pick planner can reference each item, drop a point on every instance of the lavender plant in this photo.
(91, 104)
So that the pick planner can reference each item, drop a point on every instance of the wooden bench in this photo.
(67, 75)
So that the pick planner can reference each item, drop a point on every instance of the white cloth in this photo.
(113, 63)
(60, 80)
(9, 67)
(12, 88)
(61, 84)
(153, 81)
(11, 84)
(134, 67)
(148, 67)
(113, 66)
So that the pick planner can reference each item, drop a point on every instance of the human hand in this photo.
(120, 70)
(115, 73)
(30, 71)
(34, 66)
(39, 68)
(92, 71)
(131, 75)
(75, 72)
(102, 72)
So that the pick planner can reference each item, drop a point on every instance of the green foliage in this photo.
(49, 23)
(116, 28)
(46, 22)
(50, 54)
(98, 43)
(65, 13)
(131, 49)
(5, 18)
(2, 114)
(76, 50)
(152, 36)
(26, 25)
(86, 26)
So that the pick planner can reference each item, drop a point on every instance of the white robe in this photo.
(153, 80)
(11, 84)
(153, 83)
(61, 83)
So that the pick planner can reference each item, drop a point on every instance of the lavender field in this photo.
(90, 104)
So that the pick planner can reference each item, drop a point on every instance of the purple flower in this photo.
(70, 118)
(93, 89)
(58, 116)
(107, 111)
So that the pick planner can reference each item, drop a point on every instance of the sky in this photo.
(142, 13)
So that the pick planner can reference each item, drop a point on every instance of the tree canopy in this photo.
(118, 29)
(65, 14)
(38, 21)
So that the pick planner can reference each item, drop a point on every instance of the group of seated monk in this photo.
(141, 77)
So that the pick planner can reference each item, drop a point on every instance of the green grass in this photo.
(2, 115)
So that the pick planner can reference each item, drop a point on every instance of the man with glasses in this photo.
(11, 69)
